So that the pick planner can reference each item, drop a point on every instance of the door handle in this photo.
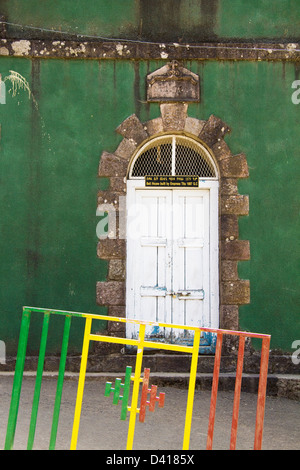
(183, 293)
(193, 295)
(177, 294)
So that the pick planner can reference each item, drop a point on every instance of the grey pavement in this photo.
(101, 427)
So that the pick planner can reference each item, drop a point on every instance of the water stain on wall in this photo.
(160, 20)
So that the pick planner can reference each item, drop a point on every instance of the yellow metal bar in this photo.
(139, 322)
(149, 323)
(114, 339)
(170, 347)
(81, 380)
(134, 342)
(136, 384)
(192, 383)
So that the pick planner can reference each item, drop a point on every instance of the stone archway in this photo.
(232, 205)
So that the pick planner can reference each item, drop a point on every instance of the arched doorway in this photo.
(201, 142)
(172, 237)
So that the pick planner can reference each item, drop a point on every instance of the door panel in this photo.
(151, 275)
(190, 247)
(168, 260)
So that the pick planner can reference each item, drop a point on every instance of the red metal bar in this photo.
(235, 333)
(237, 393)
(153, 398)
(214, 391)
(144, 396)
(161, 400)
(153, 392)
(261, 397)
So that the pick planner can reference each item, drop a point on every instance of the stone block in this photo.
(112, 165)
(133, 129)
(173, 116)
(229, 226)
(111, 249)
(234, 167)
(117, 311)
(193, 126)
(229, 317)
(116, 270)
(213, 131)
(229, 186)
(110, 293)
(235, 292)
(238, 250)
(229, 270)
(235, 204)
(117, 184)
(126, 149)
(115, 328)
(221, 150)
(109, 197)
(155, 126)
(173, 83)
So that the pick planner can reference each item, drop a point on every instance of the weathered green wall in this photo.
(157, 20)
(50, 152)
(48, 167)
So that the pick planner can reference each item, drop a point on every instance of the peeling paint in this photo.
(21, 47)
(4, 51)
(18, 82)
(119, 48)
(291, 46)
(77, 50)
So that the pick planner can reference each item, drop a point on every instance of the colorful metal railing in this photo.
(141, 343)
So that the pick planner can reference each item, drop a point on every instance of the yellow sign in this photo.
(173, 181)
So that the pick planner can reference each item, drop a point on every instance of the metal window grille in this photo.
(173, 155)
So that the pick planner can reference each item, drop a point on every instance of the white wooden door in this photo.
(169, 261)
(191, 268)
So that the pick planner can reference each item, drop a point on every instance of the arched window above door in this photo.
(174, 155)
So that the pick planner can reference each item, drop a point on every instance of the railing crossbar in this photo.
(141, 342)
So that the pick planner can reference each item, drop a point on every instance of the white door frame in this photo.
(210, 185)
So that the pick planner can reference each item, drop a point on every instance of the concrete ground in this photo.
(101, 427)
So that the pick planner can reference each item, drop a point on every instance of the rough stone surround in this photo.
(232, 205)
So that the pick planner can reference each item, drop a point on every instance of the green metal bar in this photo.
(56, 312)
(63, 312)
(126, 391)
(17, 384)
(60, 381)
(38, 381)
(117, 391)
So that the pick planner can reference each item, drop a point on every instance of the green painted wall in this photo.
(49, 152)
(157, 20)
(48, 167)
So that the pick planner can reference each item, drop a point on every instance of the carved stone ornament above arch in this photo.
(211, 132)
